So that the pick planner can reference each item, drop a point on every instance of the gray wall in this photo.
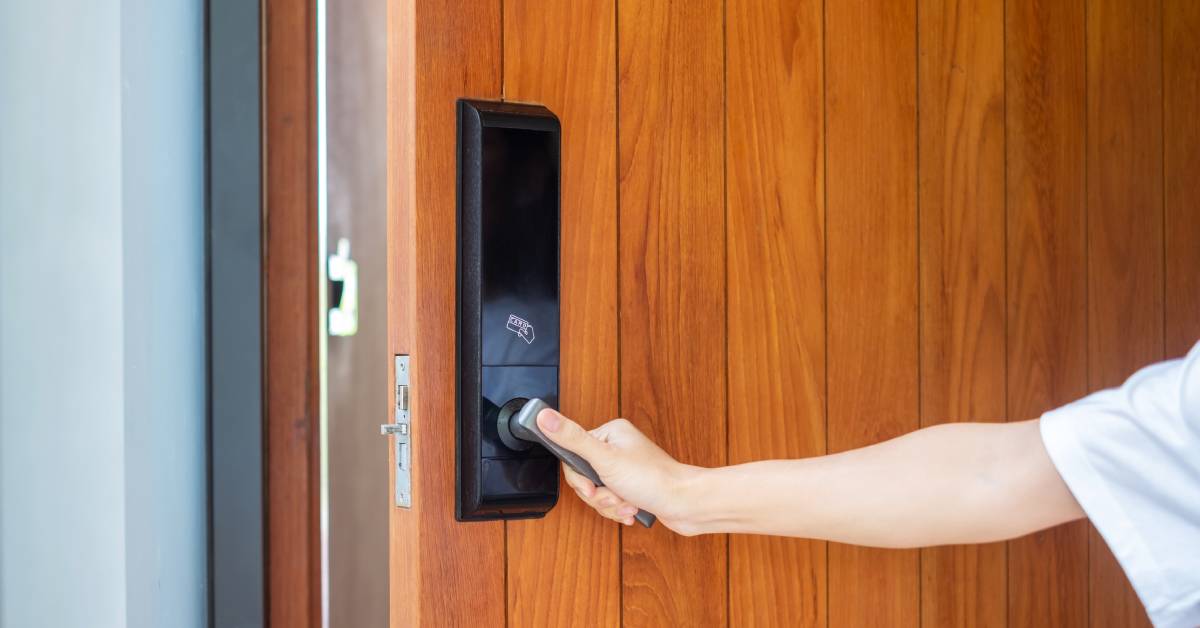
(102, 439)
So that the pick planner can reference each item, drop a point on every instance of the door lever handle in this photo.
(524, 425)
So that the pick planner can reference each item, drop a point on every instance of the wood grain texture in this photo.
(1047, 290)
(901, 207)
(564, 570)
(1181, 123)
(293, 551)
(961, 200)
(1125, 232)
(775, 246)
(672, 289)
(872, 275)
(404, 553)
(457, 55)
(455, 52)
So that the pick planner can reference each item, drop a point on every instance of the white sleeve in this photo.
(1131, 457)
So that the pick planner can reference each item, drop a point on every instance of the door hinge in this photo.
(401, 434)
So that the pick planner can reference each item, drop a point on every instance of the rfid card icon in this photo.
(521, 327)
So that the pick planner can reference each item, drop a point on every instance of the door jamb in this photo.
(290, 315)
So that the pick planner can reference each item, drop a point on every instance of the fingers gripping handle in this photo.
(524, 425)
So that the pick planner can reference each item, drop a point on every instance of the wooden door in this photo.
(792, 227)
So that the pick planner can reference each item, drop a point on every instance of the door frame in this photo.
(290, 272)
(265, 560)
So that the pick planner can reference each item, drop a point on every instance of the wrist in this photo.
(694, 499)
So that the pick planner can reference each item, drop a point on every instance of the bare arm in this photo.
(953, 483)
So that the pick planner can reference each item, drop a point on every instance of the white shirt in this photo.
(1131, 457)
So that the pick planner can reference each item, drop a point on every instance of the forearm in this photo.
(954, 483)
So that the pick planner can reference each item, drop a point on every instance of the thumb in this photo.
(569, 434)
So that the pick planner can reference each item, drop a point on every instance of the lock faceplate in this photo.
(401, 434)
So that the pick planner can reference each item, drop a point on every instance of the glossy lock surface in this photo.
(508, 294)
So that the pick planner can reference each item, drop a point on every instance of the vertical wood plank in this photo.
(563, 570)
(457, 54)
(1181, 110)
(403, 528)
(672, 288)
(872, 276)
(293, 551)
(1125, 236)
(454, 52)
(1047, 311)
(961, 200)
(776, 249)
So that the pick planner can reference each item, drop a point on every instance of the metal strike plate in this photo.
(401, 434)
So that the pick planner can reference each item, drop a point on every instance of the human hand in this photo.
(636, 472)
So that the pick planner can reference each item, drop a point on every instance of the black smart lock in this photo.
(508, 305)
